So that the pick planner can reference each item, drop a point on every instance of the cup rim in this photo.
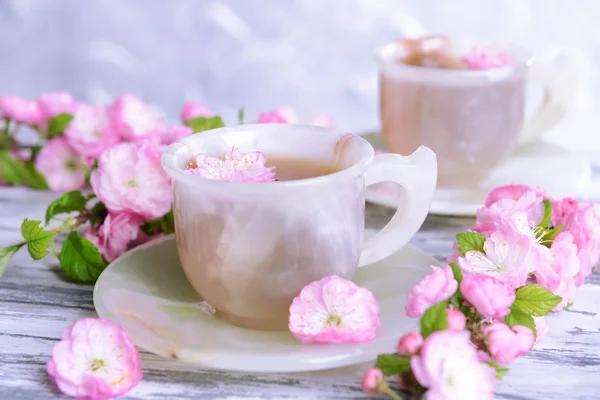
(170, 158)
(525, 62)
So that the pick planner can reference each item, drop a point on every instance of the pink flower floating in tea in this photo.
(480, 58)
(95, 359)
(334, 310)
(234, 167)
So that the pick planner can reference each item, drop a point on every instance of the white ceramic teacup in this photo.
(249, 248)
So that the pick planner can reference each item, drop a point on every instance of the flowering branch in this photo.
(525, 257)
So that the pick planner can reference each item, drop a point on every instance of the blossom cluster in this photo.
(105, 159)
(525, 257)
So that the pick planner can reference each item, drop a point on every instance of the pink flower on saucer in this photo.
(334, 310)
(95, 359)
(479, 58)
(133, 118)
(234, 167)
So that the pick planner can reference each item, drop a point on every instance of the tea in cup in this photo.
(249, 248)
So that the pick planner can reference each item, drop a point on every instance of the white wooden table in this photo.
(36, 304)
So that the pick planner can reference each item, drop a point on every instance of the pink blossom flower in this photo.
(91, 131)
(456, 320)
(372, 381)
(511, 192)
(454, 256)
(505, 257)
(133, 118)
(435, 287)
(168, 134)
(334, 310)
(20, 110)
(491, 297)
(448, 366)
(501, 210)
(234, 167)
(53, 104)
(61, 166)
(582, 222)
(194, 110)
(282, 114)
(117, 232)
(323, 120)
(558, 274)
(130, 178)
(540, 328)
(562, 208)
(410, 343)
(506, 344)
(95, 359)
(287, 115)
(479, 58)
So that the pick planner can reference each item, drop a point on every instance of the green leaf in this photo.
(535, 300)
(168, 223)
(38, 239)
(67, 203)
(80, 259)
(517, 317)
(551, 235)
(34, 179)
(458, 275)
(202, 124)
(165, 224)
(17, 172)
(58, 124)
(12, 171)
(392, 364)
(500, 370)
(241, 116)
(88, 171)
(435, 318)
(468, 241)
(6, 254)
(99, 212)
(547, 214)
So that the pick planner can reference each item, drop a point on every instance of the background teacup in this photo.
(249, 248)
(472, 119)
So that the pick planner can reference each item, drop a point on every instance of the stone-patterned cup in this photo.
(472, 119)
(249, 248)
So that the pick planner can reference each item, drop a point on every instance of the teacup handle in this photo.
(417, 174)
(559, 81)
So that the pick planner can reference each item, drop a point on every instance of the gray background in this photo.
(311, 54)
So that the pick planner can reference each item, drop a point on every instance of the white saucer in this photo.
(557, 171)
(146, 291)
